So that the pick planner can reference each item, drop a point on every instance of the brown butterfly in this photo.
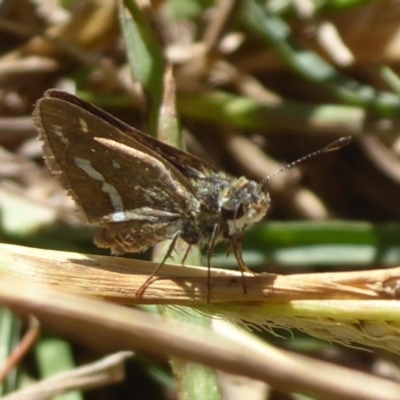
(141, 191)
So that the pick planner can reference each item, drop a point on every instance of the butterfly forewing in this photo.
(110, 175)
(116, 172)
(188, 164)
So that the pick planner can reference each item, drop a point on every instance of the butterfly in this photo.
(141, 191)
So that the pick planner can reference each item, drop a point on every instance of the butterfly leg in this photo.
(228, 252)
(151, 278)
(236, 245)
(210, 251)
(186, 254)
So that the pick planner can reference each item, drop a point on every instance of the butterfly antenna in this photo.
(336, 145)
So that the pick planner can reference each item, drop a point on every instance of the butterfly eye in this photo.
(230, 211)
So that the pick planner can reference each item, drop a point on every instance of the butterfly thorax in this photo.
(227, 204)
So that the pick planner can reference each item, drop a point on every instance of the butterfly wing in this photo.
(188, 164)
(112, 177)
(135, 236)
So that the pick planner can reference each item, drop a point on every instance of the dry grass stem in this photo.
(116, 328)
(118, 279)
(100, 373)
(346, 307)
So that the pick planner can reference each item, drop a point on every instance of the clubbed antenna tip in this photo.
(336, 145)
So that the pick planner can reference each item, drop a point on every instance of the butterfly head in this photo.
(242, 204)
